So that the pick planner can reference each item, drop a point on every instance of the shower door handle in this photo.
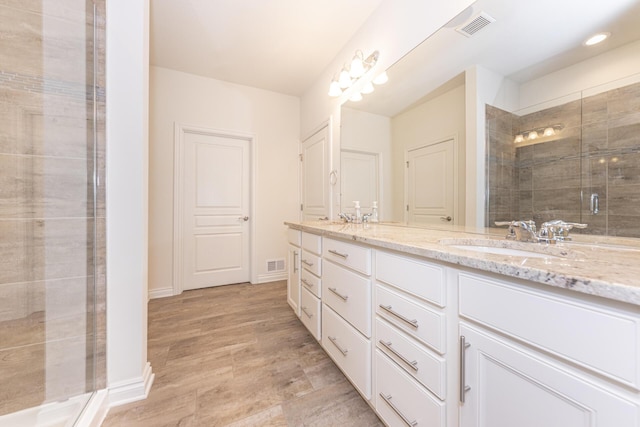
(594, 204)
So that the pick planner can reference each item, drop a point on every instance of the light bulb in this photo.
(334, 89)
(595, 39)
(519, 138)
(549, 131)
(381, 79)
(367, 88)
(344, 79)
(357, 68)
(532, 135)
(356, 97)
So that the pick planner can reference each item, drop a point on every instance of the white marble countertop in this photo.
(603, 266)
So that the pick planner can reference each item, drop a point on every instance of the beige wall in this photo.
(432, 121)
(273, 119)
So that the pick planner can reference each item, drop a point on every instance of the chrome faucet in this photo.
(550, 231)
(346, 217)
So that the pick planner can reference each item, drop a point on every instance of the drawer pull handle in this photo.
(412, 364)
(390, 310)
(307, 263)
(339, 295)
(304, 309)
(463, 386)
(295, 262)
(304, 281)
(336, 253)
(406, 420)
(344, 351)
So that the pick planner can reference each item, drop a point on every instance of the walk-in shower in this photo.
(52, 308)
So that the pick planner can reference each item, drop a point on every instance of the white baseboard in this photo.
(271, 277)
(160, 293)
(96, 410)
(131, 391)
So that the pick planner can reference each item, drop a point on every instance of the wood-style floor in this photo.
(238, 356)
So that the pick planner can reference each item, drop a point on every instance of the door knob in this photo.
(244, 218)
(446, 218)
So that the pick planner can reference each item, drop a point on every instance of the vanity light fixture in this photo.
(367, 88)
(356, 97)
(381, 79)
(541, 132)
(349, 75)
(597, 38)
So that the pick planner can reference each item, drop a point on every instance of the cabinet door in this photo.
(293, 279)
(513, 386)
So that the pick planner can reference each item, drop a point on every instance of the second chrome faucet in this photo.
(550, 231)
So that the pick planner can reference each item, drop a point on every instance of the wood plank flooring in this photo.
(238, 356)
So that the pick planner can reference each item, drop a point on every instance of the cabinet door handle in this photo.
(336, 253)
(342, 297)
(406, 420)
(304, 310)
(295, 261)
(412, 364)
(304, 281)
(463, 386)
(334, 341)
(389, 309)
(304, 261)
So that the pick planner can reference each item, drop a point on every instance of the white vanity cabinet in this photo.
(311, 283)
(531, 357)
(293, 274)
(346, 310)
(410, 367)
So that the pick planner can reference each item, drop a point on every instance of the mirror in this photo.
(526, 57)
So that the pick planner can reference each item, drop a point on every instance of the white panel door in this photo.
(430, 184)
(512, 386)
(315, 176)
(359, 180)
(215, 211)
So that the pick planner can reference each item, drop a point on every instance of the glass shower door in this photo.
(47, 210)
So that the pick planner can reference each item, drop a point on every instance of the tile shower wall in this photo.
(597, 152)
(52, 317)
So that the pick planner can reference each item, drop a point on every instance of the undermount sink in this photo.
(503, 251)
(504, 247)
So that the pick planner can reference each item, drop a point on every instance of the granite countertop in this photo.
(603, 266)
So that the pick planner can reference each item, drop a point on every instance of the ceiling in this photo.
(277, 45)
(528, 39)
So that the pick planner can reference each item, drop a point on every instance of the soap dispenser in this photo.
(374, 211)
(356, 205)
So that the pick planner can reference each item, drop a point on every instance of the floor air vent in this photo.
(274, 265)
(475, 24)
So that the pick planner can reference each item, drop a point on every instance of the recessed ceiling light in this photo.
(595, 39)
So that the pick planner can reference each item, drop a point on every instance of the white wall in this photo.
(273, 118)
(393, 30)
(370, 133)
(127, 57)
(434, 120)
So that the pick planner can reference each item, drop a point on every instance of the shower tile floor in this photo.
(238, 356)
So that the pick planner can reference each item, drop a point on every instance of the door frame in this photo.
(456, 170)
(180, 129)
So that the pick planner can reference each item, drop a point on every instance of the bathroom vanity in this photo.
(451, 328)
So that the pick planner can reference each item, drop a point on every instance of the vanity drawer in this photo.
(350, 350)
(310, 312)
(311, 262)
(397, 393)
(349, 294)
(416, 277)
(353, 256)
(422, 323)
(310, 282)
(597, 337)
(421, 364)
(312, 243)
(294, 236)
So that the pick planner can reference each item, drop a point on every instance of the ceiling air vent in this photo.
(475, 24)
